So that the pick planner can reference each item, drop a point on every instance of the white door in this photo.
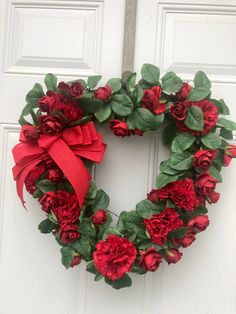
(80, 38)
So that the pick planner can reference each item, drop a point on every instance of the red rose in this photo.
(29, 134)
(119, 128)
(103, 93)
(230, 152)
(203, 159)
(181, 192)
(198, 223)
(159, 225)
(50, 125)
(76, 261)
(186, 241)
(68, 233)
(210, 117)
(67, 210)
(46, 103)
(184, 91)
(137, 132)
(76, 90)
(55, 175)
(114, 257)
(48, 201)
(151, 100)
(179, 110)
(150, 260)
(33, 176)
(70, 111)
(172, 256)
(100, 217)
(205, 188)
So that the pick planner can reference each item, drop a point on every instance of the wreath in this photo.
(59, 144)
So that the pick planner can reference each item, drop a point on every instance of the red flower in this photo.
(114, 257)
(55, 175)
(100, 217)
(46, 103)
(159, 225)
(205, 188)
(50, 125)
(181, 192)
(29, 134)
(68, 233)
(179, 110)
(186, 241)
(203, 159)
(137, 132)
(172, 256)
(230, 152)
(198, 223)
(76, 261)
(150, 260)
(70, 111)
(103, 93)
(210, 117)
(33, 176)
(119, 128)
(151, 100)
(184, 91)
(76, 90)
(67, 210)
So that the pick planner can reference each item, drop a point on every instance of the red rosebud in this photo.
(63, 86)
(150, 260)
(151, 100)
(75, 90)
(29, 133)
(203, 159)
(172, 256)
(55, 175)
(179, 110)
(119, 128)
(69, 233)
(33, 176)
(103, 93)
(100, 217)
(184, 91)
(76, 261)
(186, 241)
(137, 132)
(114, 257)
(230, 152)
(50, 125)
(205, 185)
(198, 223)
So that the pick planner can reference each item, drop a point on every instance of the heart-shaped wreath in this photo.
(59, 144)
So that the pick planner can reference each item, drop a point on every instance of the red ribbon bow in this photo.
(66, 150)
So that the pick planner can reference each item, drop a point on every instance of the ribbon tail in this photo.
(72, 167)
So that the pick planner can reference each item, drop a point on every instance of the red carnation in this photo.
(119, 128)
(33, 176)
(203, 159)
(100, 217)
(210, 117)
(179, 110)
(184, 91)
(70, 111)
(103, 93)
(68, 233)
(29, 134)
(151, 100)
(150, 260)
(50, 125)
(205, 188)
(181, 192)
(198, 223)
(67, 210)
(114, 257)
(159, 225)
(172, 256)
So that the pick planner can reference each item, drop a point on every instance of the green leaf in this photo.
(90, 105)
(34, 94)
(215, 174)
(145, 120)
(138, 93)
(146, 208)
(46, 185)
(182, 142)
(91, 268)
(121, 105)
(198, 93)
(166, 168)
(51, 82)
(101, 201)
(194, 119)
(123, 282)
(111, 230)
(93, 81)
(169, 133)
(86, 228)
(178, 233)
(150, 73)
(22, 121)
(98, 277)
(92, 191)
(67, 256)
(115, 84)
(131, 81)
(103, 113)
(221, 105)
(201, 80)
(171, 83)
(26, 110)
(181, 161)
(227, 124)
(47, 226)
(163, 179)
(82, 246)
(228, 135)
(211, 140)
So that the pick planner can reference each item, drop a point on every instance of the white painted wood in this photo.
(186, 36)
